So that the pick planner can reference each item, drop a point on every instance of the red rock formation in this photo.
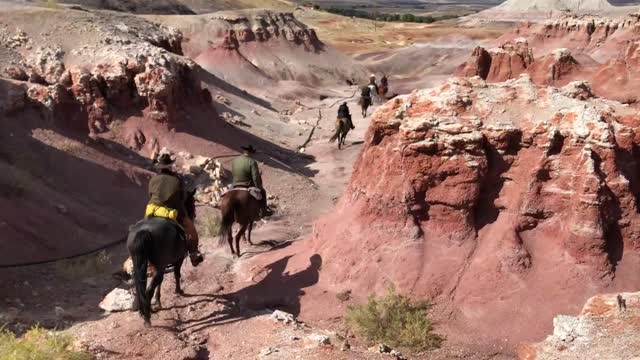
(618, 77)
(478, 65)
(503, 63)
(499, 202)
(510, 60)
(267, 25)
(599, 50)
(557, 68)
(143, 76)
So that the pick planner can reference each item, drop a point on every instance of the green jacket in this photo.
(166, 190)
(245, 172)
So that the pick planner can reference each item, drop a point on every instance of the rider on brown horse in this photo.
(167, 198)
(246, 175)
(344, 113)
(384, 86)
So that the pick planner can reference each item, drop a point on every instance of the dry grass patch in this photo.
(39, 344)
(85, 266)
(208, 225)
(395, 320)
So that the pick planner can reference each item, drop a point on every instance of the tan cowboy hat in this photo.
(164, 161)
(250, 149)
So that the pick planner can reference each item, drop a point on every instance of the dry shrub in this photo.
(85, 266)
(52, 4)
(39, 344)
(395, 320)
(208, 225)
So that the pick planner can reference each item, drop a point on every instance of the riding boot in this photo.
(265, 211)
(192, 242)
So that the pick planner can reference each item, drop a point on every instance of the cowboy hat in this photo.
(249, 149)
(164, 161)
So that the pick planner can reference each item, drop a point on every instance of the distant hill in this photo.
(546, 5)
(167, 6)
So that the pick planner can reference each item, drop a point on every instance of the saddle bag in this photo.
(153, 210)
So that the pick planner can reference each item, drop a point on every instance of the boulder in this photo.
(118, 300)
(281, 316)
(319, 340)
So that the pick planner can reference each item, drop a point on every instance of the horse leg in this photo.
(230, 239)
(249, 233)
(158, 291)
(238, 236)
(155, 283)
(176, 273)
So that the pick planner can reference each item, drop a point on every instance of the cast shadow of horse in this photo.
(276, 290)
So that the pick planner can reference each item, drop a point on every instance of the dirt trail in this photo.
(220, 316)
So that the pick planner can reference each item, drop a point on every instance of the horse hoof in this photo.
(147, 323)
(180, 292)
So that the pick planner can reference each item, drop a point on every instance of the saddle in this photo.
(182, 234)
(253, 191)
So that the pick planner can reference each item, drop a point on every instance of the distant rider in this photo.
(372, 82)
(365, 96)
(384, 85)
(246, 174)
(344, 113)
(167, 198)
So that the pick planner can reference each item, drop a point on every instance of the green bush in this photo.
(39, 344)
(395, 320)
(395, 17)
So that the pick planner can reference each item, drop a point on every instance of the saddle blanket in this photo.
(253, 191)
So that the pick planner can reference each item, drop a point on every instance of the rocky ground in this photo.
(606, 328)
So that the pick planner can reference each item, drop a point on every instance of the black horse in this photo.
(161, 243)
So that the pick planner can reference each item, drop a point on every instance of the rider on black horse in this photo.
(167, 198)
(344, 113)
(247, 175)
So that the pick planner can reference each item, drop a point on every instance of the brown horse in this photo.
(343, 125)
(365, 102)
(238, 206)
(383, 90)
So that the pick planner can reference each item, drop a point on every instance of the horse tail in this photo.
(335, 136)
(226, 222)
(138, 250)
(337, 133)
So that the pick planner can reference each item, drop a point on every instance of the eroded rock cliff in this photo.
(498, 201)
(598, 49)
(135, 66)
